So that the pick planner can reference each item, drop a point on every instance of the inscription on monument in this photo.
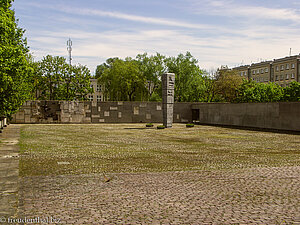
(168, 83)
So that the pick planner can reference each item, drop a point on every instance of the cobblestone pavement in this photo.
(246, 196)
(9, 171)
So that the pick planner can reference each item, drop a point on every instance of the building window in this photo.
(261, 70)
(281, 77)
(287, 77)
(257, 71)
(266, 70)
(91, 97)
(253, 72)
(276, 77)
(277, 68)
(242, 73)
(293, 65)
(287, 66)
(293, 76)
(99, 88)
(99, 98)
(282, 67)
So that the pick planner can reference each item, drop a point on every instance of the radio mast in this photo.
(69, 48)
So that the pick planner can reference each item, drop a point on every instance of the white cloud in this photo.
(212, 44)
(92, 48)
(232, 9)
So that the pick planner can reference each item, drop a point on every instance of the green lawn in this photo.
(109, 148)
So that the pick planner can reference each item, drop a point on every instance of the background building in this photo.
(281, 71)
(286, 70)
(97, 95)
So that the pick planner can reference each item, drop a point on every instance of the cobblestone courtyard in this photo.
(247, 196)
(260, 186)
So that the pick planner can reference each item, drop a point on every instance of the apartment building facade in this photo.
(97, 94)
(286, 70)
(280, 71)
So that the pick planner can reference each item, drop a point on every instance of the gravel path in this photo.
(247, 196)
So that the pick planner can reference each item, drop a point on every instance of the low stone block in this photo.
(119, 114)
(120, 103)
(113, 108)
(27, 111)
(27, 119)
(136, 110)
(20, 115)
(101, 120)
(65, 119)
(106, 113)
(77, 118)
(33, 120)
(95, 116)
(87, 119)
(99, 108)
(158, 107)
(66, 105)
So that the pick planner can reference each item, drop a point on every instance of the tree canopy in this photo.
(58, 80)
(15, 68)
(140, 78)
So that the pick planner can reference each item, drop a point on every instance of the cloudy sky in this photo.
(216, 32)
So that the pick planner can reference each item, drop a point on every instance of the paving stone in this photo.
(9, 171)
(204, 197)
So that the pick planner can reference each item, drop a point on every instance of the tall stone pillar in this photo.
(168, 84)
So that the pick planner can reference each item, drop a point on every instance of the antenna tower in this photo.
(69, 48)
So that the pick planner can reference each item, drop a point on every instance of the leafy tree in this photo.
(14, 62)
(152, 67)
(123, 81)
(259, 92)
(208, 89)
(292, 92)
(149, 70)
(80, 83)
(60, 81)
(101, 68)
(187, 75)
(227, 84)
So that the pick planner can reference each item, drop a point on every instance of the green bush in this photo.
(149, 125)
(190, 125)
(161, 127)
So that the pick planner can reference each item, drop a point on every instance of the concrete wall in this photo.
(98, 112)
(279, 116)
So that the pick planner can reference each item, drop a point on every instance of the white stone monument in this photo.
(168, 84)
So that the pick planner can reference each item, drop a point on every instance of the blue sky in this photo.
(216, 32)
